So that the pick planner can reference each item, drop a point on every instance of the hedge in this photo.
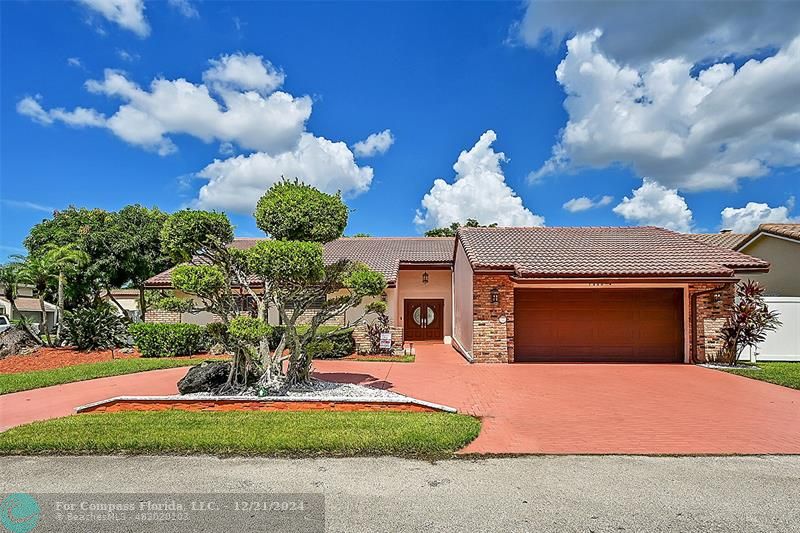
(168, 340)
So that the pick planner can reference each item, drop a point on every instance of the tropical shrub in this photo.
(168, 340)
(94, 328)
(749, 322)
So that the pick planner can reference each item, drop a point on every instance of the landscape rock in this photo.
(205, 377)
(15, 341)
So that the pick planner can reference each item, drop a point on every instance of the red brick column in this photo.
(493, 341)
(709, 310)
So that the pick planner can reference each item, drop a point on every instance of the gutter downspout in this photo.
(693, 312)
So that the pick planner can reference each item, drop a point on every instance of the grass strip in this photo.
(308, 433)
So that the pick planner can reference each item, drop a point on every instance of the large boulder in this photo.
(205, 377)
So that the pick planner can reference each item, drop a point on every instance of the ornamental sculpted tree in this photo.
(287, 272)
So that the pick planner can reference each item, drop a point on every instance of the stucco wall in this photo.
(462, 304)
(784, 257)
(391, 299)
(439, 286)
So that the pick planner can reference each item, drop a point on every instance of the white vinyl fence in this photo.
(783, 344)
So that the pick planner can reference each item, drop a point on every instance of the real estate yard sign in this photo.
(386, 341)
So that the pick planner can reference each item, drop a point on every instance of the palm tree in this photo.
(62, 260)
(36, 270)
(10, 278)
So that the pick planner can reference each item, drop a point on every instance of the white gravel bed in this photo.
(730, 367)
(322, 389)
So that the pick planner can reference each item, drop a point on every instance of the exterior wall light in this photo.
(425, 277)
(494, 296)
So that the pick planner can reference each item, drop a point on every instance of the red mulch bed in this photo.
(49, 358)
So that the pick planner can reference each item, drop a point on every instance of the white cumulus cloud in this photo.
(237, 106)
(479, 191)
(746, 219)
(376, 143)
(640, 31)
(79, 117)
(247, 72)
(128, 14)
(584, 203)
(684, 131)
(271, 123)
(238, 182)
(655, 205)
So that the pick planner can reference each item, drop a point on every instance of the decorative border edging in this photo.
(266, 403)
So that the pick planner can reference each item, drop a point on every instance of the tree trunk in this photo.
(60, 306)
(119, 306)
(43, 325)
(142, 304)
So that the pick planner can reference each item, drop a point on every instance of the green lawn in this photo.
(317, 433)
(44, 378)
(786, 374)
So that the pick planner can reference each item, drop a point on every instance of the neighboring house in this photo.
(128, 299)
(780, 245)
(639, 294)
(28, 305)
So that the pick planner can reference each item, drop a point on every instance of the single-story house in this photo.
(513, 294)
(28, 305)
(779, 244)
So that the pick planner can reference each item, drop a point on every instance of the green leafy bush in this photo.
(217, 333)
(168, 340)
(341, 342)
(321, 349)
(94, 328)
(248, 330)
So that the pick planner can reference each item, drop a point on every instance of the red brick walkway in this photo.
(603, 408)
(531, 408)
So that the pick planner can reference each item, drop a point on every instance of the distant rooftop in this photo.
(382, 254)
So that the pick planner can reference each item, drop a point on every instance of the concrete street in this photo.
(536, 493)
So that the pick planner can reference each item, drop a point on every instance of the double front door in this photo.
(423, 320)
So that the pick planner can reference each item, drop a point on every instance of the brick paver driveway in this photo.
(530, 408)
(594, 408)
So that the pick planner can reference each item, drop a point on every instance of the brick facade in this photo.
(364, 346)
(164, 317)
(711, 309)
(493, 341)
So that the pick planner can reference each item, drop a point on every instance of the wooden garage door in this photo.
(598, 325)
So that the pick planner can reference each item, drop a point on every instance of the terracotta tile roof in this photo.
(383, 254)
(784, 230)
(723, 240)
(122, 293)
(599, 252)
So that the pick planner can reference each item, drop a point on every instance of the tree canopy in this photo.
(294, 211)
(453, 228)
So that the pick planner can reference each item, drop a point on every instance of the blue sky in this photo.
(439, 76)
